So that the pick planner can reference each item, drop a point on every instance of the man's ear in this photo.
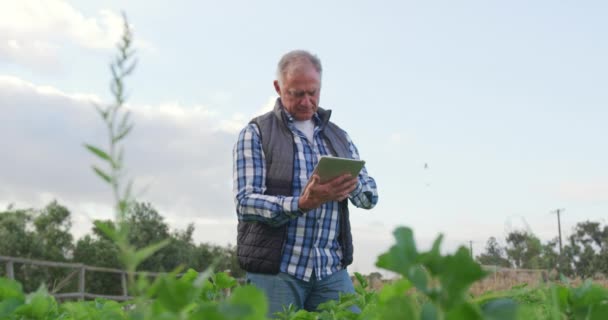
(277, 87)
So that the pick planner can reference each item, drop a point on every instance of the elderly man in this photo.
(294, 238)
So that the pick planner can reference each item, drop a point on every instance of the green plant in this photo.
(119, 126)
(442, 280)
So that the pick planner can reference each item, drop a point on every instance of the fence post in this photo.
(123, 282)
(10, 271)
(81, 282)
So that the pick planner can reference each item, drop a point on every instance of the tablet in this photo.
(331, 167)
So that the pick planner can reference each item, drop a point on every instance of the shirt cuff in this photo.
(355, 193)
(290, 207)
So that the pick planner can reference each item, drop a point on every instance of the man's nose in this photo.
(307, 101)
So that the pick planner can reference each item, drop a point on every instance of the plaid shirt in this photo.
(312, 237)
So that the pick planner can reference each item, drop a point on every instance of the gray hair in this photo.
(295, 57)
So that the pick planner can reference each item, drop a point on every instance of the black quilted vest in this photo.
(259, 245)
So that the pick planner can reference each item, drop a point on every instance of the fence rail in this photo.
(79, 269)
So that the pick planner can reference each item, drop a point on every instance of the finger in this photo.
(347, 187)
(313, 181)
(339, 179)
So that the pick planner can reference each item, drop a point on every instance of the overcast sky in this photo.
(506, 102)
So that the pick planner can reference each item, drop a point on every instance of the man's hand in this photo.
(315, 193)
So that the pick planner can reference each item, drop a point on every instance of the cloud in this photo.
(33, 31)
(181, 153)
(235, 124)
(584, 191)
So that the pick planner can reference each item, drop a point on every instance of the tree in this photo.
(550, 256)
(52, 225)
(37, 234)
(101, 252)
(587, 249)
(524, 250)
(17, 240)
(494, 255)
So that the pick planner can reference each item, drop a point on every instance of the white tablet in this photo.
(331, 167)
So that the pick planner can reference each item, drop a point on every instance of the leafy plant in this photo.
(442, 280)
(119, 126)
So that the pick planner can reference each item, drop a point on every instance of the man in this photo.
(294, 236)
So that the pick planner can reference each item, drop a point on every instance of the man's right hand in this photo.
(315, 193)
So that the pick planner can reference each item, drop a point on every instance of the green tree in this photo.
(587, 249)
(147, 226)
(494, 255)
(37, 234)
(53, 232)
(17, 240)
(99, 251)
(524, 250)
(53, 238)
(550, 257)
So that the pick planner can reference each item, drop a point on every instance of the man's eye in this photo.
(297, 94)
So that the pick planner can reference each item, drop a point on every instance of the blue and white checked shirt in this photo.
(312, 237)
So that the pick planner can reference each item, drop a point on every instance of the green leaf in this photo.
(588, 294)
(361, 279)
(419, 278)
(146, 252)
(107, 228)
(123, 133)
(189, 276)
(252, 300)
(103, 113)
(394, 303)
(39, 305)
(223, 281)
(10, 289)
(433, 260)
(402, 255)
(459, 272)
(500, 309)
(586, 298)
(429, 312)
(9, 305)
(598, 312)
(175, 295)
(102, 174)
(98, 152)
(464, 311)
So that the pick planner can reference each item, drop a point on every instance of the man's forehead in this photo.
(301, 68)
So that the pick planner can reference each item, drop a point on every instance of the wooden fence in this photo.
(80, 270)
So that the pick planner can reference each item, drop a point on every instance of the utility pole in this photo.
(559, 229)
(471, 248)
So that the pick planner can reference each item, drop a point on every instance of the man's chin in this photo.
(304, 116)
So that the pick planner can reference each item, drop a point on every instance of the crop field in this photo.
(432, 286)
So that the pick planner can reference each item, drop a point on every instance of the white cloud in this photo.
(584, 191)
(181, 152)
(238, 120)
(33, 31)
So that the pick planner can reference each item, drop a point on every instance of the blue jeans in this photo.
(283, 289)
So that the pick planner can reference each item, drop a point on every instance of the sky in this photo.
(476, 118)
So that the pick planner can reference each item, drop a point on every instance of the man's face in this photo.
(300, 91)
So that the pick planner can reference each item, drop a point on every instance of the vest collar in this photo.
(321, 116)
